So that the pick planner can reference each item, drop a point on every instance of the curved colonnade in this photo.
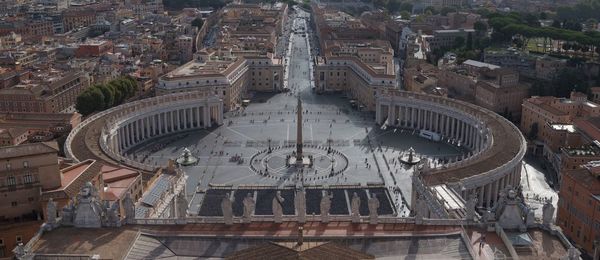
(497, 146)
(112, 132)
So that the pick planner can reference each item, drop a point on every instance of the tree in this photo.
(569, 79)
(483, 43)
(447, 10)
(406, 6)
(84, 104)
(198, 22)
(108, 94)
(531, 20)
(393, 6)
(97, 99)
(458, 42)
(572, 25)
(117, 94)
(556, 24)
(430, 9)
(89, 101)
(480, 27)
(469, 41)
(543, 16)
(405, 15)
(537, 89)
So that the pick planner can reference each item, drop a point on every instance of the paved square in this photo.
(236, 153)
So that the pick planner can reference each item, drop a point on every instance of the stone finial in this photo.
(277, 206)
(129, 207)
(51, 212)
(547, 213)
(249, 205)
(325, 206)
(373, 207)
(355, 208)
(226, 208)
(470, 206)
(300, 205)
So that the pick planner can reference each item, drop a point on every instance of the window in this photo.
(19, 239)
(11, 181)
(8, 167)
(27, 179)
(14, 204)
(25, 164)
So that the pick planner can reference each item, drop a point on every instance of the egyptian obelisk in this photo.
(299, 133)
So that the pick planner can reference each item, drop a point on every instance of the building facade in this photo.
(46, 93)
(579, 206)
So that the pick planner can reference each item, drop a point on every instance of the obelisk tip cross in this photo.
(299, 132)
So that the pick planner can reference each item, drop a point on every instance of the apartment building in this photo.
(93, 49)
(25, 170)
(241, 59)
(358, 68)
(48, 92)
(578, 212)
(447, 38)
(229, 77)
(499, 90)
(331, 24)
(73, 19)
(528, 65)
(545, 119)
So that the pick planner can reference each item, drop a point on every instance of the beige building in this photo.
(499, 90)
(241, 59)
(447, 38)
(460, 84)
(25, 171)
(358, 68)
(49, 92)
(548, 67)
(227, 76)
(420, 77)
(549, 120)
(10, 41)
(13, 136)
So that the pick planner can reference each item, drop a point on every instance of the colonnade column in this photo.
(161, 120)
(207, 122)
(198, 118)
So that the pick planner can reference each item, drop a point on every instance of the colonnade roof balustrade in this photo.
(506, 149)
(84, 141)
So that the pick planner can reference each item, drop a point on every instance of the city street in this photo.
(536, 187)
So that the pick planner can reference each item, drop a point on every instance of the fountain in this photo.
(186, 158)
(410, 158)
